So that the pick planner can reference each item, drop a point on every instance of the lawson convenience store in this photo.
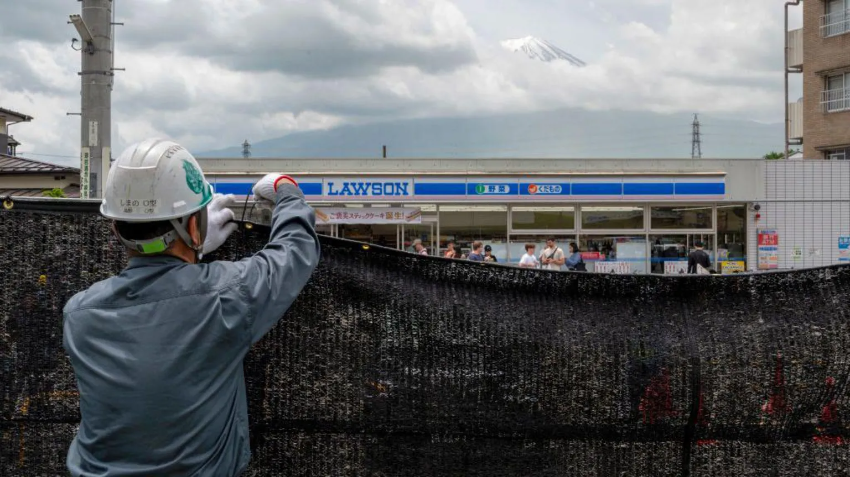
(624, 221)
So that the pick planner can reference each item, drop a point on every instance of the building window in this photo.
(731, 237)
(464, 224)
(681, 217)
(837, 18)
(607, 218)
(838, 154)
(837, 95)
(543, 218)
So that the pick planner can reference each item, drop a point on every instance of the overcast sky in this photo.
(211, 73)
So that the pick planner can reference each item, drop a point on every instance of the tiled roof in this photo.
(20, 165)
(73, 192)
(14, 114)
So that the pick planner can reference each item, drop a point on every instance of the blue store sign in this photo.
(502, 189)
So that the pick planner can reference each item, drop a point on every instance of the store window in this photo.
(377, 234)
(732, 238)
(668, 254)
(614, 253)
(464, 224)
(606, 218)
(681, 217)
(516, 249)
(543, 218)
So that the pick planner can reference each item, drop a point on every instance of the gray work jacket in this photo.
(157, 351)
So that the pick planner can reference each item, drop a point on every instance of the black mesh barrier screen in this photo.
(393, 364)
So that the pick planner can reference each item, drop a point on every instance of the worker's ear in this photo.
(194, 230)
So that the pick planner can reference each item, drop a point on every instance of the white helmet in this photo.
(157, 180)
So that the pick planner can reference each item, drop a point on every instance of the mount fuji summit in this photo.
(539, 49)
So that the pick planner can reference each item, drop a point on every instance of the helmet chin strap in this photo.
(180, 227)
(164, 242)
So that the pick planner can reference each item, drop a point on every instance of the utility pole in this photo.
(246, 149)
(95, 27)
(696, 140)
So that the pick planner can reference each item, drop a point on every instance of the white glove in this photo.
(264, 188)
(221, 222)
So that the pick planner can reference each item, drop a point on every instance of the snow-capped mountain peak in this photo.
(540, 49)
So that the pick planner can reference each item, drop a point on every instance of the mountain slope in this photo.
(538, 49)
(566, 133)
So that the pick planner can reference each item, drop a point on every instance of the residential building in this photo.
(821, 52)
(24, 177)
(8, 145)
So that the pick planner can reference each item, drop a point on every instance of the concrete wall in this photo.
(821, 55)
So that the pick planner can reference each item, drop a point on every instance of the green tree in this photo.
(772, 155)
(55, 193)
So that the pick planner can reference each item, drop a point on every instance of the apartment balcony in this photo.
(834, 24)
(795, 122)
(835, 100)
(795, 49)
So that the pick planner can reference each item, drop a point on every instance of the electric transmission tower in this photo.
(696, 141)
(246, 149)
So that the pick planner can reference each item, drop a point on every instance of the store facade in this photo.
(625, 216)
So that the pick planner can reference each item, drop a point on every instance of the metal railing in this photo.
(835, 100)
(836, 23)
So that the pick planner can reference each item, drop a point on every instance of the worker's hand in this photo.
(266, 188)
(221, 222)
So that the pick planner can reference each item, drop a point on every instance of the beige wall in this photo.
(11, 181)
(820, 55)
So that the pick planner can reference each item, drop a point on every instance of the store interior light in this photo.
(611, 209)
(473, 208)
(691, 208)
(544, 209)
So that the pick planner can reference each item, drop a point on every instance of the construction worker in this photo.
(157, 350)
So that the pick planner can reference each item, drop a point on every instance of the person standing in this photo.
(698, 258)
(158, 349)
(529, 260)
(450, 251)
(488, 254)
(575, 261)
(476, 255)
(419, 248)
(552, 257)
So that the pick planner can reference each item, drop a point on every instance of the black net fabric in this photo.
(394, 364)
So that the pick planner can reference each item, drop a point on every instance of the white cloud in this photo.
(211, 84)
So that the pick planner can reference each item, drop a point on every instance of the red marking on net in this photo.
(657, 400)
(778, 402)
